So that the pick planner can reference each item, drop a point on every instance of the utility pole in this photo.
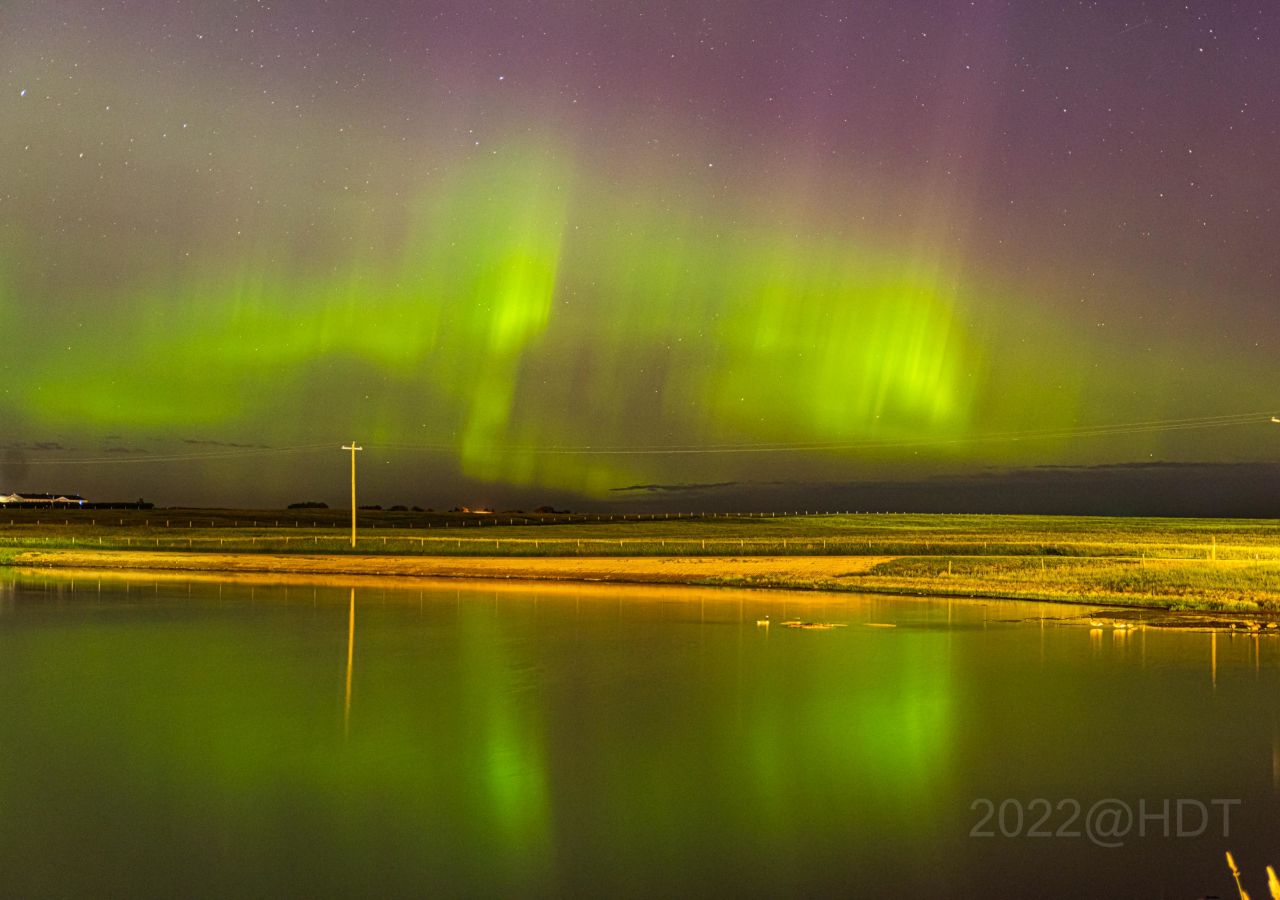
(353, 448)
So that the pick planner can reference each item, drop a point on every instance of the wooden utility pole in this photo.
(353, 448)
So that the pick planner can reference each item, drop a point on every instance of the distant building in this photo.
(59, 501)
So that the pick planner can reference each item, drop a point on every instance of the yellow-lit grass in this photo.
(1235, 586)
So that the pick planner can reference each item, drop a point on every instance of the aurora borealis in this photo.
(550, 250)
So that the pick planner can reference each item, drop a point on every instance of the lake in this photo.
(183, 737)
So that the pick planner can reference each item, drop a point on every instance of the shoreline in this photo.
(842, 574)
(789, 572)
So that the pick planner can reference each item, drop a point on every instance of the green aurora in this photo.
(495, 331)
(507, 297)
(486, 337)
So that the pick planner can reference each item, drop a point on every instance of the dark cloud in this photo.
(676, 488)
(1158, 465)
(36, 446)
(1250, 490)
(204, 443)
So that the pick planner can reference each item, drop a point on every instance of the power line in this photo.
(1122, 429)
(173, 457)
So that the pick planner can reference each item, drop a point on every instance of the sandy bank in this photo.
(762, 571)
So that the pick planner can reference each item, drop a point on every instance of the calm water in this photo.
(175, 738)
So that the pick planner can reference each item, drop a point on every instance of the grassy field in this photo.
(1228, 565)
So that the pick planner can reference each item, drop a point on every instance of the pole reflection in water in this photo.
(1275, 760)
(351, 647)
(1213, 656)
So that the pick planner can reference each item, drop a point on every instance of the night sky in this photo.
(692, 254)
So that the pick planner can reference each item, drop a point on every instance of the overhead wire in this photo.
(1121, 429)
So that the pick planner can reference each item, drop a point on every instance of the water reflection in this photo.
(1275, 760)
(1213, 657)
(351, 649)
(570, 739)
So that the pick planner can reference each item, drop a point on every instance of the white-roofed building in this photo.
(52, 500)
